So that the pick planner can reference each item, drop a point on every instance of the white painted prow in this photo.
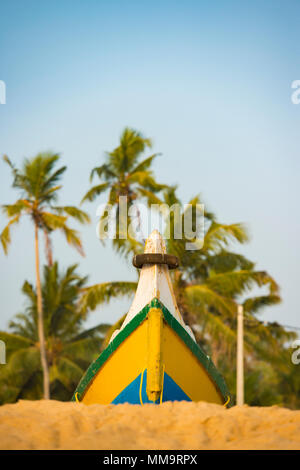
(155, 282)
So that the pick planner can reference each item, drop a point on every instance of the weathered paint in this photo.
(154, 282)
(154, 359)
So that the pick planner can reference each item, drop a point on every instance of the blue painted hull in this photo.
(135, 392)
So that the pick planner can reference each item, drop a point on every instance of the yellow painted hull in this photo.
(154, 361)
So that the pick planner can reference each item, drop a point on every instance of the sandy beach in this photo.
(179, 425)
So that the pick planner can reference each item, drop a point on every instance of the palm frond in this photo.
(150, 197)
(35, 174)
(236, 282)
(48, 185)
(170, 196)
(202, 296)
(5, 234)
(23, 325)
(98, 330)
(73, 238)
(14, 342)
(50, 194)
(83, 349)
(145, 164)
(94, 192)
(103, 171)
(214, 325)
(225, 261)
(22, 364)
(255, 304)
(146, 180)
(128, 246)
(78, 214)
(220, 235)
(17, 208)
(97, 294)
(53, 221)
(67, 372)
(7, 160)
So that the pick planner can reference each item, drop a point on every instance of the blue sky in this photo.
(210, 82)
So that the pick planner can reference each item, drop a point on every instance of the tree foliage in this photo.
(70, 347)
(37, 183)
(126, 173)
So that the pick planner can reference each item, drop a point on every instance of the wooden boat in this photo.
(154, 357)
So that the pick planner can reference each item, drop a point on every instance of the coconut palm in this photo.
(125, 174)
(69, 347)
(37, 183)
(269, 373)
(211, 281)
(209, 284)
(290, 383)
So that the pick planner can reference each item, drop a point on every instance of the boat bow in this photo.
(154, 283)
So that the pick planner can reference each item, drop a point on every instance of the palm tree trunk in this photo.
(41, 334)
(48, 249)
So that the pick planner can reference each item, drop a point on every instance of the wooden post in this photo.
(240, 357)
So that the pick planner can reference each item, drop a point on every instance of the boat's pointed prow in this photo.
(154, 282)
(155, 243)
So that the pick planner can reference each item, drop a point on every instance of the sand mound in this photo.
(180, 425)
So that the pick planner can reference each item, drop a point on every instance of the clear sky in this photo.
(209, 81)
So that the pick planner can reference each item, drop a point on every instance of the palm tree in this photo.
(209, 284)
(37, 182)
(268, 368)
(69, 347)
(125, 174)
(213, 280)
